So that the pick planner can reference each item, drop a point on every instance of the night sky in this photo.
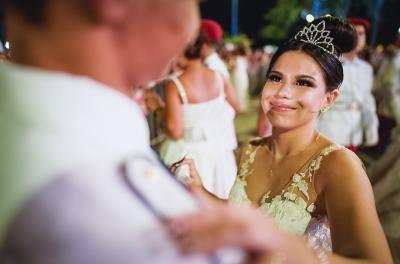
(251, 14)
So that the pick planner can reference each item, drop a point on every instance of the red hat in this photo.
(359, 21)
(212, 30)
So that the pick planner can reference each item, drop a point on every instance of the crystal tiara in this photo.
(318, 36)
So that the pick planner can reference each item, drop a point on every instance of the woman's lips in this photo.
(279, 107)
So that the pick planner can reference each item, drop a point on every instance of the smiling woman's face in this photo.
(295, 91)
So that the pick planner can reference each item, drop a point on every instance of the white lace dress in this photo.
(209, 139)
(292, 209)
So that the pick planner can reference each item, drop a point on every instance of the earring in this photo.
(323, 109)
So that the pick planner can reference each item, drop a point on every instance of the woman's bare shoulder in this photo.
(341, 166)
(335, 155)
(338, 156)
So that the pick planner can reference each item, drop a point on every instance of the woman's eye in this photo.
(274, 78)
(304, 83)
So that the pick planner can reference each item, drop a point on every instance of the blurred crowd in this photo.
(246, 69)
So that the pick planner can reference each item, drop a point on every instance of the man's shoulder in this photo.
(95, 215)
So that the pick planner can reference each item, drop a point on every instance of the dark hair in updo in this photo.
(193, 51)
(344, 40)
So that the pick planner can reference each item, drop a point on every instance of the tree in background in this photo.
(286, 14)
(282, 17)
(239, 39)
(370, 9)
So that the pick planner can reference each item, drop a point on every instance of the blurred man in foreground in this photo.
(79, 182)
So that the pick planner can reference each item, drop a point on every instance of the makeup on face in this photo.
(295, 87)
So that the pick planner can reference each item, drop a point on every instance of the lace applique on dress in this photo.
(238, 193)
(291, 209)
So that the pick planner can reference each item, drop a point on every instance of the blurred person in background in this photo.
(239, 74)
(199, 114)
(154, 98)
(352, 121)
(257, 70)
(258, 77)
(386, 86)
(213, 32)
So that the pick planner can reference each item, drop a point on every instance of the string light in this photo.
(309, 18)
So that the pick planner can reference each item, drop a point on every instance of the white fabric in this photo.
(395, 103)
(240, 81)
(54, 123)
(352, 120)
(214, 62)
(51, 122)
(181, 90)
(209, 139)
(291, 210)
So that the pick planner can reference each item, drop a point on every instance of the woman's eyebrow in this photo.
(276, 72)
(306, 76)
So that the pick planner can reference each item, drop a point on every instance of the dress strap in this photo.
(302, 178)
(247, 161)
(181, 90)
(316, 162)
(329, 149)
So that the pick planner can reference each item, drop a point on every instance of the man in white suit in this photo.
(352, 121)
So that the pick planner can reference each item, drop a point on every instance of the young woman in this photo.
(200, 108)
(308, 185)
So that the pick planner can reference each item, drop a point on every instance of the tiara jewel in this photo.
(317, 35)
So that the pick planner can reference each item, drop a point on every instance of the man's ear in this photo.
(331, 98)
(113, 12)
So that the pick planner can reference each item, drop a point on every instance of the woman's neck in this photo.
(194, 63)
(292, 142)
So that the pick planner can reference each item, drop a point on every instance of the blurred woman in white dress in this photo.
(200, 108)
(240, 77)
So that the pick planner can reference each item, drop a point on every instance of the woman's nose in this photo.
(284, 90)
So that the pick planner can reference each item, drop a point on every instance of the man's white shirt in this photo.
(62, 138)
(352, 120)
